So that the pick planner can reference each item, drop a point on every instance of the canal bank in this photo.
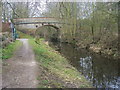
(58, 66)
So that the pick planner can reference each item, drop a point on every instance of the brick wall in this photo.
(6, 27)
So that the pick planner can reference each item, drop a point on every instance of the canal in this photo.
(99, 70)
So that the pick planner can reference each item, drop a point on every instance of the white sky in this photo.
(62, 0)
(41, 6)
(38, 8)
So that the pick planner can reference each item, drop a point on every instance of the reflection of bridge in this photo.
(35, 22)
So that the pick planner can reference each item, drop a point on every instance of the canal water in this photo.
(99, 70)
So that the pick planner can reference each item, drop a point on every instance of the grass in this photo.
(23, 35)
(57, 64)
(8, 51)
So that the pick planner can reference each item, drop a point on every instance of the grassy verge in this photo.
(7, 52)
(23, 35)
(55, 63)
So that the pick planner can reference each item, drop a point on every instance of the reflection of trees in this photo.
(102, 72)
(86, 66)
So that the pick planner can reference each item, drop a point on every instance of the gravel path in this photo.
(21, 70)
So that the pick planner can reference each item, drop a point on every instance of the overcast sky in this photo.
(62, 0)
(38, 8)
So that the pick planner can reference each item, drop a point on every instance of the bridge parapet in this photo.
(34, 23)
(37, 20)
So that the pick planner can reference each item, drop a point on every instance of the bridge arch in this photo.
(49, 32)
(50, 25)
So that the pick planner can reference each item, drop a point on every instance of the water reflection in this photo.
(102, 72)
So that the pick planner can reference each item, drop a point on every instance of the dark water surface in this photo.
(101, 71)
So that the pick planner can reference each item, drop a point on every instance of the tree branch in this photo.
(13, 9)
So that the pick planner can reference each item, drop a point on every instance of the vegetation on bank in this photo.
(23, 35)
(55, 63)
(8, 51)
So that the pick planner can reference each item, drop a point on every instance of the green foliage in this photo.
(47, 32)
(23, 35)
(8, 51)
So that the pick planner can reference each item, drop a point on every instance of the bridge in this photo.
(35, 22)
(34, 26)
